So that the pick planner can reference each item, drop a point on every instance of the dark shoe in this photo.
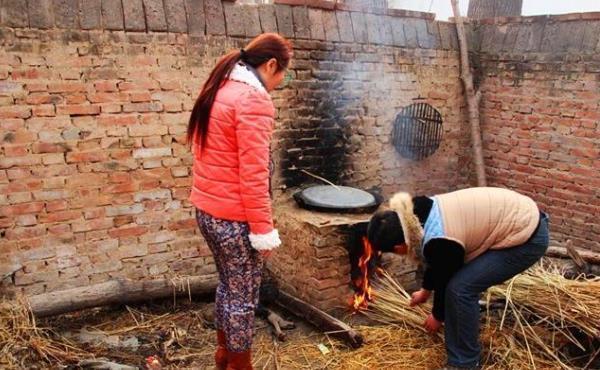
(221, 352)
(239, 360)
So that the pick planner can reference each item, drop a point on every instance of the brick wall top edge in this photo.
(330, 5)
(225, 18)
(541, 18)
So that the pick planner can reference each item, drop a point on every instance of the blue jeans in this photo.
(462, 292)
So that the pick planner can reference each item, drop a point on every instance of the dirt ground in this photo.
(180, 336)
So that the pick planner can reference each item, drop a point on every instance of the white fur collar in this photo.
(241, 73)
(402, 204)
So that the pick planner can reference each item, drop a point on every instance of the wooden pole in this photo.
(119, 291)
(473, 98)
(320, 319)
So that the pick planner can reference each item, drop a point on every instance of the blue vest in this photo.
(434, 226)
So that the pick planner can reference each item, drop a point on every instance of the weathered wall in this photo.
(540, 78)
(94, 99)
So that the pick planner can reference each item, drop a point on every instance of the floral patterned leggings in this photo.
(239, 266)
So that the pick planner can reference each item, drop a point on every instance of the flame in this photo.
(365, 294)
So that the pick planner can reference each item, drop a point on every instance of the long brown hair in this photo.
(260, 50)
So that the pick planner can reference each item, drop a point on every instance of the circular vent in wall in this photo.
(417, 131)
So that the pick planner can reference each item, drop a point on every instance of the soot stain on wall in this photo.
(319, 142)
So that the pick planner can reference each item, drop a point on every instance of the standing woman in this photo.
(230, 130)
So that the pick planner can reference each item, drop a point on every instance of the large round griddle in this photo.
(344, 199)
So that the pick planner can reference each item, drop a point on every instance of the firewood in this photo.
(320, 319)
(118, 291)
(561, 252)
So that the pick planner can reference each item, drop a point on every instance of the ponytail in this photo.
(260, 50)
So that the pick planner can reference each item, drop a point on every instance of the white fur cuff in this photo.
(265, 241)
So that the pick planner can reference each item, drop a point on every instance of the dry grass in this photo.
(541, 312)
(543, 292)
(24, 342)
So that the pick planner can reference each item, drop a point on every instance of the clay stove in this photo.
(319, 249)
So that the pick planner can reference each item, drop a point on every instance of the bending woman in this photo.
(470, 240)
(230, 130)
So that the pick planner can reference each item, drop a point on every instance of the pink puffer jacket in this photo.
(231, 173)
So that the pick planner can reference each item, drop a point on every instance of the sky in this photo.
(443, 9)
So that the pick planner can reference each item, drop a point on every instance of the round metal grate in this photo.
(417, 131)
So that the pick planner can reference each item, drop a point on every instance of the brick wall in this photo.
(540, 78)
(94, 99)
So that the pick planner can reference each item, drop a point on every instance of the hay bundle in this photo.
(531, 331)
(543, 292)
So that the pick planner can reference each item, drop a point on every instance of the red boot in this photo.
(239, 360)
(221, 353)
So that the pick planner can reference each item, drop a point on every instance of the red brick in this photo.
(24, 185)
(138, 85)
(29, 232)
(119, 177)
(60, 216)
(148, 185)
(15, 111)
(12, 124)
(128, 231)
(78, 110)
(85, 179)
(95, 156)
(118, 120)
(17, 173)
(75, 99)
(123, 220)
(94, 213)
(20, 136)
(120, 154)
(183, 224)
(56, 205)
(43, 98)
(139, 97)
(36, 86)
(106, 86)
(21, 209)
(108, 97)
(46, 110)
(60, 87)
(27, 74)
(127, 187)
(49, 148)
(110, 108)
(586, 152)
(16, 151)
(143, 107)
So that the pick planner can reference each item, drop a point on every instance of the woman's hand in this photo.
(432, 325)
(420, 296)
(266, 253)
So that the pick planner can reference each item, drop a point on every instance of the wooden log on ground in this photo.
(560, 252)
(118, 291)
(320, 319)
